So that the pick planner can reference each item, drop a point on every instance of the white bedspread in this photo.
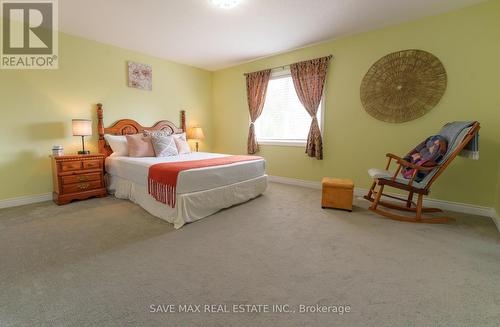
(188, 181)
(191, 206)
(201, 192)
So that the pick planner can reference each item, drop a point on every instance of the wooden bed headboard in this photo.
(129, 126)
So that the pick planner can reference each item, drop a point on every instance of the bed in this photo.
(200, 192)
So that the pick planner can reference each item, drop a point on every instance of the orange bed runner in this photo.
(162, 177)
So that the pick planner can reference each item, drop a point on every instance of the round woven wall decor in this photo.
(403, 86)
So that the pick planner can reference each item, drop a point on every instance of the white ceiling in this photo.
(195, 32)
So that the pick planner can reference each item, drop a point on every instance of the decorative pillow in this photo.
(429, 153)
(182, 145)
(163, 132)
(118, 144)
(180, 135)
(140, 146)
(164, 146)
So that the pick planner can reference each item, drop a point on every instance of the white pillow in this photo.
(118, 144)
(182, 145)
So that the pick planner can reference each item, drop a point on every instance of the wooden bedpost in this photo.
(183, 120)
(100, 128)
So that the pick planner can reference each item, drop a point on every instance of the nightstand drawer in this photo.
(81, 178)
(91, 164)
(81, 187)
(71, 165)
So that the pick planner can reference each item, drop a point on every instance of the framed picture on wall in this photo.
(140, 76)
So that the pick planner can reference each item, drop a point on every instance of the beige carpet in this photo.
(103, 262)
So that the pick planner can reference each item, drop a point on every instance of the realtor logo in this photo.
(29, 34)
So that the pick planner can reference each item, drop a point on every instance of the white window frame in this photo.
(283, 72)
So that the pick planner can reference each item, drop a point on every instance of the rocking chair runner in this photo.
(383, 178)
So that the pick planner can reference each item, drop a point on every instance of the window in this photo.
(284, 120)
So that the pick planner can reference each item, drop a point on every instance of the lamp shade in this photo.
(195, 133)
(82, 127)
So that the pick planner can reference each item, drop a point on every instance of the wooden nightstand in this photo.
(78, 177)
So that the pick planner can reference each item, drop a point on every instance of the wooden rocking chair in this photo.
(383, 178)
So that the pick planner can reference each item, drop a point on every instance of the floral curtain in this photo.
(309, 80)
(256, 94)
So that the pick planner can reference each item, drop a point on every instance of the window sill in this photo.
(282, 143)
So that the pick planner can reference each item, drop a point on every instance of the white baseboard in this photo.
(441, 204)
(359, 192)
(495, 217)
(23, 200)
(294, 181)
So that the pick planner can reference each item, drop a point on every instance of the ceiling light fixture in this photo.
(225, 4)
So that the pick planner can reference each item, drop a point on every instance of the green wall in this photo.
(497, 199)
(37, 106)
(468, 43)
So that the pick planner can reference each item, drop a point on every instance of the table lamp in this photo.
(195, 133)
(82, 127)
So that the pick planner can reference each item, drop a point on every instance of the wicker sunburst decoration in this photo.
(403, 86)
